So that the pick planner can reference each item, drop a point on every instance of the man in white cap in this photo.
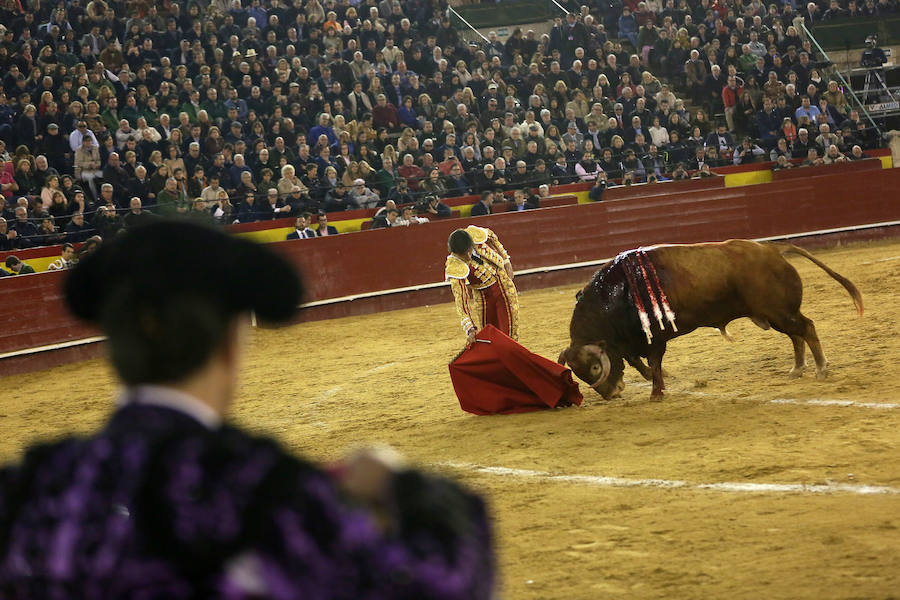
(363, 196)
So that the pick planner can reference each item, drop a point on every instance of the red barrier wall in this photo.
(388, 259)
(397, 258)
(843, 168)
(35, 314)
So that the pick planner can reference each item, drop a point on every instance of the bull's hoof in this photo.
(822, 374)
(656, 396)
(797, 372)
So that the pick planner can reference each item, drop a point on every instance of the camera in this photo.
(872, 56)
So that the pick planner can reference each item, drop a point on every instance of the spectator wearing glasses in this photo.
(81, 130)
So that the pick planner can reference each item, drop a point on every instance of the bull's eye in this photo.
(596, 368)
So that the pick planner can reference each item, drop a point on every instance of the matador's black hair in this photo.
(460, 242)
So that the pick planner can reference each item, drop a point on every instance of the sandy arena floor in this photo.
(322, 387)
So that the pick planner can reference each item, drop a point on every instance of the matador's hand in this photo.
(470, 338)
(509, 270)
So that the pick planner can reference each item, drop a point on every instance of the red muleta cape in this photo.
(503, 377)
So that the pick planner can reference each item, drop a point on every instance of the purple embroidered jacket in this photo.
(158, 506)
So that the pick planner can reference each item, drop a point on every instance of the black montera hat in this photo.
(167, 260)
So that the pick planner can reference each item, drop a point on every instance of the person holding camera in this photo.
(747, 152)
(433, 207)
(599, 188)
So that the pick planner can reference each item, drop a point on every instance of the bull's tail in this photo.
(848, 285)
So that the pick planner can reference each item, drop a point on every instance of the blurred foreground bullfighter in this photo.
(643, 298)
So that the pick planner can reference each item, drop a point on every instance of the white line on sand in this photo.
(879, 260)
(797, 401)
(734, 487)
(825, 402)
(334, 390)
(327, 393)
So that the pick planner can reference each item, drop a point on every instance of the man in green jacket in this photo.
(17, 266)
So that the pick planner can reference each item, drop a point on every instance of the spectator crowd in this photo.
(115, 112)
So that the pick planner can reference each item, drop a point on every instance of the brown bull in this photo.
(686, 287)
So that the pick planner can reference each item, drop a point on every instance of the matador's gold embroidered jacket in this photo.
(469, 278)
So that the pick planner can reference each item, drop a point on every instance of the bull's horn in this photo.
(562, 357)
(600, 353)
(604, 363)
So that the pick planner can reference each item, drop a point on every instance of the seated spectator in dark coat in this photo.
(633, 164)
(572, 154)
(520, 175)
(77, 230)
(856, 153)
(48, 233)
(8, 239)
(26, 180)
(273, 206)
(301, 229)
(401, 193)
(457, 184)
(538, 173)
(338, 199)
(139, 185)
(561, 173)
(136, 215)
(26, 231)
(56, 148)
(249, 212)
(677, 150)
(6, 211)
(116, 175)
(698, 159)
(296, 203)
(519, 201)
(27, 132)
(316, 186)
(487, 179)
(801, 146)
(386, 219)
(609, 164)
(324, 229)
(720, 139)
(483, 207)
